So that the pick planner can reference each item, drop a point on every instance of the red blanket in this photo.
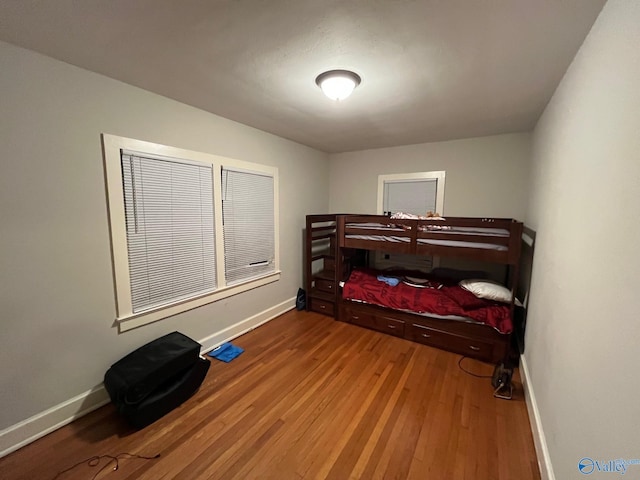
(364, 286)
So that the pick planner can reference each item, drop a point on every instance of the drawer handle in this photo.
(426, 335)
(391, 326)
(330, 286)
(475, 349)
(355, 317)
(322, 307)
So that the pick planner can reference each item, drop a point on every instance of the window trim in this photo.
(125, 318)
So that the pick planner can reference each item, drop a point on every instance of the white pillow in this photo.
(487, 289)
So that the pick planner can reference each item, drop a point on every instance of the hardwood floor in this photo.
(311, 398)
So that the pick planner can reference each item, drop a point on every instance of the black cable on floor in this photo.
(470, 373)
(96, 459)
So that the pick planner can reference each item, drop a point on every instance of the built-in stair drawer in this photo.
(325, 285)
(447, 341)
(321, 306)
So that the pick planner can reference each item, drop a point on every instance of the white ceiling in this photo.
(431, 69)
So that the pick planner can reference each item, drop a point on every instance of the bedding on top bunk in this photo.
(448, 233)
(441, 229)
(429, 241)
(428, 296)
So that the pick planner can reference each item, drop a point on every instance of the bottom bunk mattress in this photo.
(427, 296)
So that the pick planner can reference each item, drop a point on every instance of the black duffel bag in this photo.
(156, 378)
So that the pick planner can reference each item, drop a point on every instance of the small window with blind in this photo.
(187, 228)
(414, 193)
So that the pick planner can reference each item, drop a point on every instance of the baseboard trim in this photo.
(539, 439)
(16, 436)
(244, 326)
(31, 429)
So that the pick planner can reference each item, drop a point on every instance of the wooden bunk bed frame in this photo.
(415, 237)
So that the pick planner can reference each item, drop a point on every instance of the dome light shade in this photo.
(338, 84)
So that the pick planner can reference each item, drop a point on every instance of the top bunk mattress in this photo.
(381, 232)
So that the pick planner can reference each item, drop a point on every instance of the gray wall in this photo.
(56, 293)
(583, 333)
(485, 176)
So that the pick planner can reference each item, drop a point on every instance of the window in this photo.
(415, 193)
(248, 225)
(187, 228)
(170, 229)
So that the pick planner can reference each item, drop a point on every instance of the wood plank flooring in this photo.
(311, 398)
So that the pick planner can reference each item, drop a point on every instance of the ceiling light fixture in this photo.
(338, 84)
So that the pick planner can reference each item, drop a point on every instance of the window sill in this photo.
(129, 322)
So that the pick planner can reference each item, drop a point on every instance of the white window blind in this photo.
(248, 218)
(416, 196)
(170, 229)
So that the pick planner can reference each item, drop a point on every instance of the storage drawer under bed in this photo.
(472, 340)
(359, 318)
(391, 326)
(469, 347)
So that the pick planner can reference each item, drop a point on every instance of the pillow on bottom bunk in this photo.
(487, 289)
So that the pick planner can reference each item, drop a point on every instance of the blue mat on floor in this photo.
(226, 352)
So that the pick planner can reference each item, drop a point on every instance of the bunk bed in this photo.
(431, 310)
